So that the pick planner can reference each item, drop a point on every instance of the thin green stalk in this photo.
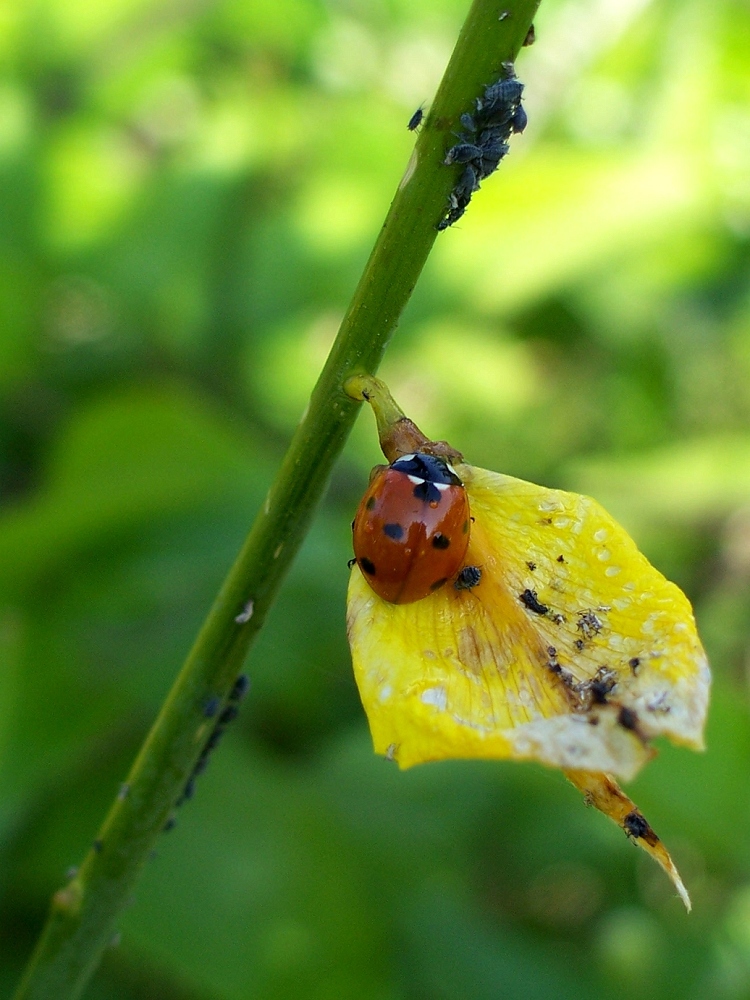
(83, 913)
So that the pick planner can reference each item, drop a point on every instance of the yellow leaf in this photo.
(562, 645)
(572, 649)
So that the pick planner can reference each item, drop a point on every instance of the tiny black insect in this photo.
(467, 185)
(468, 578)
(519, 119)
(240, 688)
(489, 161)
(463, 152)
(416, 119)
(350, 563)
(454, 214)
(530, 600)
(635, 825)
(229, 714)
(601, 688)
(500, 96)
(627, 718)
(211, 706)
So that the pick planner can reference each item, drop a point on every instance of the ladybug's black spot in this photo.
(627, 718)
(468, 577)
(530, 600)
(636, 826)
(427, 492)
(371, 501)
(440, 541)
(394, 531)
(465, 527)
(438, 583)
(367, 565)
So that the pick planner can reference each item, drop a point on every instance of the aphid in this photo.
(464, 152)
(455, 213)
(467, 185)
(491, 156)
(468, 578)
(411, 529)
(635, 825)
(628, 718)
(211, 706)
(416, 119)
(501, 96)
(530, 600)
(468, 122)
(519, 120)
(601, 685)
(229, 714)
(589, 624)
(240, 688)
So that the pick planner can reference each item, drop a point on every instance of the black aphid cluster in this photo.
(228, 714)
(484, 140)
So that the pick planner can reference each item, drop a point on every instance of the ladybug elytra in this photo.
(411, 530)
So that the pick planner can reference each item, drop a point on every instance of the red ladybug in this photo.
(411, 530)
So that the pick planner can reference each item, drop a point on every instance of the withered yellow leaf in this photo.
(571, 650)
(558, 642)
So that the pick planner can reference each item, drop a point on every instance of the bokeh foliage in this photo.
(188, 191)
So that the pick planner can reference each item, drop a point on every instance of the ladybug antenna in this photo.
(398, 434)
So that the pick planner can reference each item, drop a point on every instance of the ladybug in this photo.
(411, 529)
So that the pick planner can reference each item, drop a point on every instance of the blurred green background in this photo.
(189, 190)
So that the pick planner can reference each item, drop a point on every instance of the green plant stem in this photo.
(83, 913)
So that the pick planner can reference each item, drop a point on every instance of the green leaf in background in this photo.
(187, 195)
